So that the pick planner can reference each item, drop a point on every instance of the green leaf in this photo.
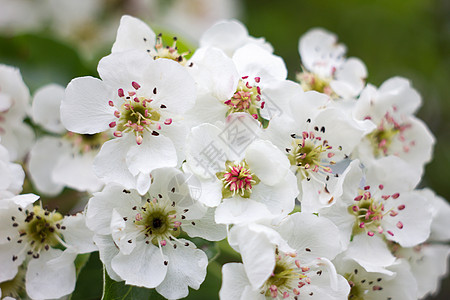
(81, 261)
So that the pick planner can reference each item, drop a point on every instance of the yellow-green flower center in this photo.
(310, 154)
(247, 98)
(237, 179)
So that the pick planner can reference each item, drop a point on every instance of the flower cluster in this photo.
(313, 182)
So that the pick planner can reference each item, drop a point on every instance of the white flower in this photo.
(285, 261)
(15, 135)
(316, 141)
(56, 162)
(229, 35)
(144, 103)
(252, 81)
(398, 132)
(375, 286)
(33, 234)
(326, 69)
(251, 175)
(138, 236)
(379, 205)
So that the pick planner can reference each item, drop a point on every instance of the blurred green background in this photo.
(393, 38)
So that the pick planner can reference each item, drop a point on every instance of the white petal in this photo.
(133, 34)
(143, 267)
(268, 163)
(277, 97)
(124, 235)
(320, 51)
(100, 206)
(394, 173)
(307, 231)
(186, 267)
(205, 153)
(132, 64)
(440, 210)
(235, 284)
(76, 172)
(77, 234)
(110, 164)
(43, 158)
(214, 72)
(280, 198)
(415, 220)
(340, 129)
(206, 227)
(52, 275)
(371, 252)
(227, 35)
(257, 244)
(45, 106)
(350, 78)
(398, 91)
(24, 200)
(239, 210)
(251, 60)
(430, 268)
(154, 152)
(85, 107)
(10, 266)
(174, 85)
(107, 250)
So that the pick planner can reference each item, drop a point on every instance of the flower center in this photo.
(169, 52)
(312, 82)
(311, 154)
(39, 229)
(136, 114)
(237, 178)
(287, 278)
(158, 220)
(247, 98)
(85, 143)
(369, 212)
